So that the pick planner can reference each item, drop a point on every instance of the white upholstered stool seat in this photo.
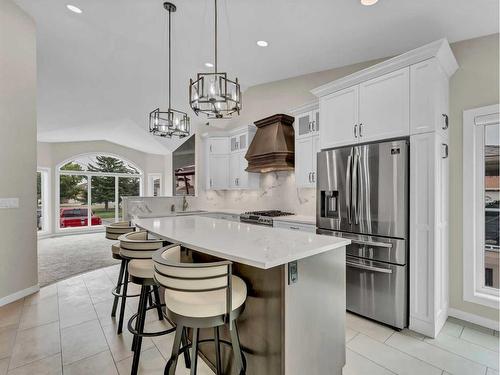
(115, 248)
(205, 304)
(142, 268)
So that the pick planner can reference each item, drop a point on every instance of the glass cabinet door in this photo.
(243, 141)
(303, 124)
(234, 143)
(316, 120)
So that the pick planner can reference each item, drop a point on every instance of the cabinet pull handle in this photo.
(313, 177)
(210, 148)
(296, 228)
(309, 176)
(360, 129)
(445, 151)
(356, 131)
(210, 182)
(314, 126)
(445, 121)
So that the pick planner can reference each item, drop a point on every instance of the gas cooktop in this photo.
(262, 217)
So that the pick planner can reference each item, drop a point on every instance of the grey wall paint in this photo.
(18, 248)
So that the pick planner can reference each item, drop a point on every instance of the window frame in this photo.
(45, 198)
(89, 175)
(151, 178)
(474, 289)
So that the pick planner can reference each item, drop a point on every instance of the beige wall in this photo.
(50, 155)
(18, 251)
(475, 84)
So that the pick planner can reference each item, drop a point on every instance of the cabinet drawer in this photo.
(294, 226)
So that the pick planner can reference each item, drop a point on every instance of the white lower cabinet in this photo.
(294, 226)
(429, 233)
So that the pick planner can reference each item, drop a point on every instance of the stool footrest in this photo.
(116, 294)
(148, 334)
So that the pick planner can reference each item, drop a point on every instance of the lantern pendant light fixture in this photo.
(213, 93)
(172, 122)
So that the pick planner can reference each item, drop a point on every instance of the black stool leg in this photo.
(217, 351)
(187, 357)
(142, 300)
(150, 298)
(141, 317)
(235, 341)
(124, 299)
(172, 362)
(194, 353)
(118, 288)
(158, 302)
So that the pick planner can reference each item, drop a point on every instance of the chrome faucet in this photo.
(185, 203)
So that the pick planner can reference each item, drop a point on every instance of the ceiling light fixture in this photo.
(262, 43)
(74, 9)
(368, 2)
(213, 93)
(172, 122)
(209, 65)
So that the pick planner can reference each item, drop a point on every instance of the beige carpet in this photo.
(62, 257)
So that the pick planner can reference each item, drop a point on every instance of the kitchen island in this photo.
(294, 319)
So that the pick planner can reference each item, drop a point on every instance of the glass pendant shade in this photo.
(170, 122)
(213, 93)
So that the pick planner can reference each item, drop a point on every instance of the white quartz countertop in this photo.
(253, 245)
(301, 219)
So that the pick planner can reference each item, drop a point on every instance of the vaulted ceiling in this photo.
(101, 72)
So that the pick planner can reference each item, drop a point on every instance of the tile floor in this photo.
(66, 328)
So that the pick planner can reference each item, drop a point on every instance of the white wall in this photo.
(18, 250)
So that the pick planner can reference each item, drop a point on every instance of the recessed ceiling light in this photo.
(262, 43)
(368, 2)
(74, 9)
(209, 65)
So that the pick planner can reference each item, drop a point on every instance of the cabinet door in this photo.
(242, 141)
(234, 170)
(218, 170)
(233, 143)
(304, 162)
(384, 104)
(338, 113)
(218, 146)
(315, 150)
(315, 121)
(303, 125)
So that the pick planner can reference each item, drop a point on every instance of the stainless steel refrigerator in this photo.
(362, 194)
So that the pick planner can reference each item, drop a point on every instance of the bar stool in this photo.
(113, 231)
(200, 295)
(137, 249)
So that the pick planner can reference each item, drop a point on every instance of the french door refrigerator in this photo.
(362, 194)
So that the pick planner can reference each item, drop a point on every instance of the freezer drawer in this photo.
(392, 250)
(377, 290)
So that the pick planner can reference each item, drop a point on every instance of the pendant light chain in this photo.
(215, 62)
(169, 59)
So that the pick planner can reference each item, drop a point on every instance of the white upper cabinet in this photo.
(238, 142)
(218, 172)
(429, 93)
(218, 146)
(384, 107)
(307, 124)
(339, 118)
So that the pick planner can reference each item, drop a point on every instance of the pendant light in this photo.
(172, 122)
(213, 93)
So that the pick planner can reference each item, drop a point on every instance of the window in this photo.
(481, 205)
(91, 188)
(154, 184)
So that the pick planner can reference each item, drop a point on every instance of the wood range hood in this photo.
(273, 146)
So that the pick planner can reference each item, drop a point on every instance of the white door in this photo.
(304, 162)
(384, 106)
(218, 172)
(303, 123)
(338, 113)
(234, 170)
(218, 146)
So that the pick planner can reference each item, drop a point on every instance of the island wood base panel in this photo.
(288, 329)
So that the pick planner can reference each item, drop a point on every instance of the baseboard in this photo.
(476, 319)
(18, 295)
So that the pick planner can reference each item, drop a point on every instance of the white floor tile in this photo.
(440, 358)
(358, 365)
(4, 366)
(120, 345)
(101, 364)
(46, 366)
(76, 310)
(491, 372)
(452, 329)
(33, 344)
(7, 339)
(45, 292)
(369, 328)
(82, 341)
(467, 350)
(151, 363)
(43, 312)
(11, 313)
(349, 334)
(491, 342)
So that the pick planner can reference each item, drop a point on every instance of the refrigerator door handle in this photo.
(355, 193)
(348, 187)
(373, 243)
(369, 268)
